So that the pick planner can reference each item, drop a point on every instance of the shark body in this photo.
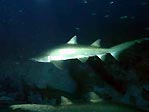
(73, 50)
(91, 107)
(95, 104)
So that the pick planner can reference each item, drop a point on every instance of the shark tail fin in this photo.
(116, 50)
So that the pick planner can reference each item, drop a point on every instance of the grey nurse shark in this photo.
(95, 105)
(73, 50)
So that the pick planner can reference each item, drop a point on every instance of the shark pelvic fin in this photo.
(73, 40)
(83, 60)
(65, 101)
(102, 57)
(96, 43)
(58, 64)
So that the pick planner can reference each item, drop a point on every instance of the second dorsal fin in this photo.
(96, 43)
(73, 40)
(65, 101)
(93, 97)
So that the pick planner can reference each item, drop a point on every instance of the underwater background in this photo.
(27, 27)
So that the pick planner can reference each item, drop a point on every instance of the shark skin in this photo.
(91, 107)
(73, 50)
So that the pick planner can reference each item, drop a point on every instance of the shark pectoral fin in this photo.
(96, 43)
(58, 64)
(83, 60)
(102, 57)
(65, 101)
(73, 40)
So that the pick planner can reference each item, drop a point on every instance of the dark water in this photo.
(27, 27)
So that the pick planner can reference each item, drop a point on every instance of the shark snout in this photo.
(43, 59)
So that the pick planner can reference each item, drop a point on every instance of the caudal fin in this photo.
(116, 50)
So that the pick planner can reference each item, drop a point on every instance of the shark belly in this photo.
(75, 53)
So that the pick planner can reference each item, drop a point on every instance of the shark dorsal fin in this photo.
(96, 43)
(65, 101)
(93, 97)
(73, 40)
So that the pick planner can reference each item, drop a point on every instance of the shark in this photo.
(96, 104)
(93, 107)
(73, 50)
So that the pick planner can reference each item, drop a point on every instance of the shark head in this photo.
(45, 59)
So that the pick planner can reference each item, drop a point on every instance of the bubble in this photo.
(112, 2)
(93, 14)
(123, 17)
(85, 1)
(107, 16)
